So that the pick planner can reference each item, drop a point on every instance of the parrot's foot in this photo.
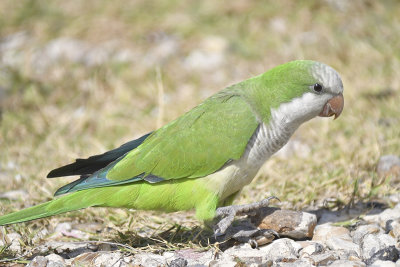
(244, 231)
(228, 213)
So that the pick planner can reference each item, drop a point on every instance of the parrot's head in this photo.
(306, 89)
(329, 87)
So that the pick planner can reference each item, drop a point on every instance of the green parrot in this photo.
(204, 158)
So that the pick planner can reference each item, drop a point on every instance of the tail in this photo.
(90, 165)
(75, 201)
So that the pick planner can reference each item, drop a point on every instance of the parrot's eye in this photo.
(317, 87)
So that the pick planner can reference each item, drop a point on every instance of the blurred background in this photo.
(80, 77)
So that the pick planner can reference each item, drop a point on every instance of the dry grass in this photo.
(51, 116)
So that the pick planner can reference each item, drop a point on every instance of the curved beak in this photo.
(333, 107)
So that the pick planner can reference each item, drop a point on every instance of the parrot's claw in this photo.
(228, 213)
(221, 227)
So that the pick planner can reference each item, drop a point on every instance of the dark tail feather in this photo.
(95, 163)
(96, 180)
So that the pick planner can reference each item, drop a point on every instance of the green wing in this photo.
(196, 144)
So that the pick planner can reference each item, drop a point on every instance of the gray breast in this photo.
(265, 142)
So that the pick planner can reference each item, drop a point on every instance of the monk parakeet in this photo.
(204, 158)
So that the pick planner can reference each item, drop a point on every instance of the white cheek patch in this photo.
(299, 110)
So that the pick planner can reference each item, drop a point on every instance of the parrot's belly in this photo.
(264, 143)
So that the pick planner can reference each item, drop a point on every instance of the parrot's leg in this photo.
(228, 213)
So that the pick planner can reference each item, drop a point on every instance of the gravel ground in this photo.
(365, 234)
(370, 240)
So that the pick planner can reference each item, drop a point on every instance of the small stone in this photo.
(305, 243)
(38, 261)
(288, 223)
(393, 228)
(380, 263)
(378, 247)
(389, 165)
(149, 259)
(324, 232)
(339, 243)
(363, 230)
(108, 259)
(283, 249)
(179, 262)
(384, 216)
(84, 259)
(393, 198)
(244, 231)
(324, 258)
(245, 254)
(128, 259)
(54, 257)
(347, 263)
(346, 254)
(390, 253)
(311, 249)
(55, 264)
(168, 254)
